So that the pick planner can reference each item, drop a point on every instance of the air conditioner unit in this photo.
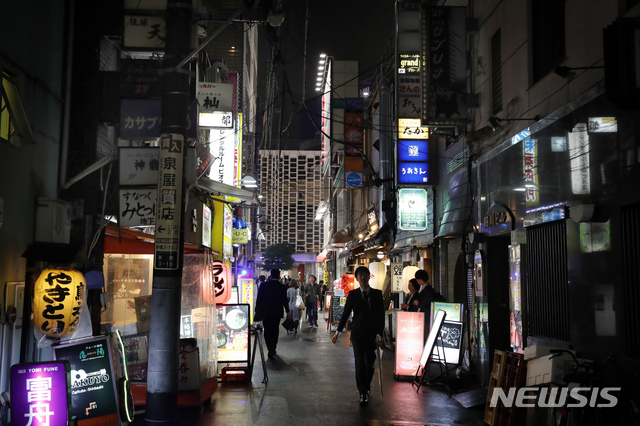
(53, 221)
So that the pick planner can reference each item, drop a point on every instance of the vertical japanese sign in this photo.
(168, 214)
(530, 159)
(396, 277)
(444, 98)
(188, 365)
(246, 284)
(40, 393)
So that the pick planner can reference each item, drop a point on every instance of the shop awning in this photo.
(130, 241)
(322, 256)
(219, 188)
(457, 211)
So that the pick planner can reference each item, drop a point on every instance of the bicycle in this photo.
(598, 393)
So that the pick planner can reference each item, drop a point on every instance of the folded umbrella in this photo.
(379, 355)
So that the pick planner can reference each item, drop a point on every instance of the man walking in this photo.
(367, 327)
(272, 298)
(311, 294)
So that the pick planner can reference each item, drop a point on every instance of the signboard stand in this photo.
(429, 356)
(234, 341)
(256, 330)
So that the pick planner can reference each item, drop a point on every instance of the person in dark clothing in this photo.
(323, 291)
(412, 302)
(367, 327)
(272, 299)
(427, 294)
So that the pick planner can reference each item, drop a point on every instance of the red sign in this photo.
(221, 283)
(409, 342)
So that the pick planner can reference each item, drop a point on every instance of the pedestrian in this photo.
(412, 302)
(427, 295)
(272, 299)
(292, 297)
(311, 294)
(367, 327)
(323, 291)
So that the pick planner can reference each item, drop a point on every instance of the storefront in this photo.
(558, 212)
(128, 272)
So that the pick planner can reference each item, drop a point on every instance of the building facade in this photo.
(291, 186)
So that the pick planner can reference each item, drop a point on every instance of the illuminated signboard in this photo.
(412, 209)
(411, 128)
(413, 172)
(233, 333)
(409, 341)
(40, 393)
(409, 63)
(93, 384)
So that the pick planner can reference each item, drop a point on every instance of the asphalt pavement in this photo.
(311, 381)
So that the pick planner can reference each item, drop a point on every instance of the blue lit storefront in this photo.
(558, 209)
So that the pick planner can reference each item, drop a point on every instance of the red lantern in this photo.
(57, 301)
(221, 282)
(348, 282)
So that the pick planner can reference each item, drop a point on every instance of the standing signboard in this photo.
(94, 399)
(451, 340)
(409, 341)
(168, 214)
(40, 393)
(233, 333)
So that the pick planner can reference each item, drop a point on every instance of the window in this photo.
(496, 72)
(547, 34)
(14, 125)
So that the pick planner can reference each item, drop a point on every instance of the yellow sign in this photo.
(59, 294)
(240, 236)
(411, 128)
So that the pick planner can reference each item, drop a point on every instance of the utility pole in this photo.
(164, 335)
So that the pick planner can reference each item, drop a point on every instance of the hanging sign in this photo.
(221, 283)
(40, 393)
(168, 210)
(137, 206)
(58, 299)
(396, 277)
(412, 209)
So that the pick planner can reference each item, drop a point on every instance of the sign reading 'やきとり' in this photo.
(59, 295)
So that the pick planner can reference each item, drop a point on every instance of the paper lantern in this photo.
(408, 273)
(378, 271)
(59, 295)
(221, 283)
(348, 283)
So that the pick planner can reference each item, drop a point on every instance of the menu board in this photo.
(409, 341)
(337, 308)
(451, 340)
(93, 385)
(233, 333)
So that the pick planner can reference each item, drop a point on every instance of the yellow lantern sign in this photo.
(58, 298)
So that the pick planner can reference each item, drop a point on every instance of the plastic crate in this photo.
(235, 374)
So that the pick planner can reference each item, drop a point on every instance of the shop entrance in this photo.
(496, 296)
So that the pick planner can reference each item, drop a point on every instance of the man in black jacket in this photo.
(272, 298)
(367, 306)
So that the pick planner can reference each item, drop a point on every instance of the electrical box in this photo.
(53, 221)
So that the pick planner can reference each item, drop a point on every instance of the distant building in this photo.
(290, 184)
